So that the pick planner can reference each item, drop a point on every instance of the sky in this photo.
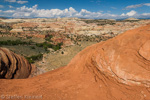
(92, 9)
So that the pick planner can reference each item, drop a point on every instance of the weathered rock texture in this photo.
(13, 66)
(118, 69)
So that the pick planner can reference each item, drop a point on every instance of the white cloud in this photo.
(9, 11)
(54, 13)
(147, 4)
(32, 12)
(19, 1)
(22, 2)
(1, 6)
(137, 5)
(10, 0)
(10, 6)
(132, 13)
(134, 6)
(145, 15)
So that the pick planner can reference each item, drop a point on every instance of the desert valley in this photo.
(52, 43)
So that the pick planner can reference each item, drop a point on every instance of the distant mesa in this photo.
(112, 19)
(131, 19)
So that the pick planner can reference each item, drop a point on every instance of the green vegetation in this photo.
(48, 38)
(32, 51)
(47, 45)
(100, 21)
(15, 42)
(2, 33)
(34, 58)
(32, 47)
(25, 50)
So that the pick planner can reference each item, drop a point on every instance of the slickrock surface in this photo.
(118, 69)
(13, 66)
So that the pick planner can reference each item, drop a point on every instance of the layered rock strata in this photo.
(13, 66)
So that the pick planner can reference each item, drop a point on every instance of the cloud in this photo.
(10, 6)
(1, 6)
(10, 0)
(22, 2)
(134, 6)
(34, 12)
(19, 2)
(137, 6)
(9, 11)
(113, 7)
(26, 12)
(131, 13)
(97, 2)
(145, 15)
(147, 4)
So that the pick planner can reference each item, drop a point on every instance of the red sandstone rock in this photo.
(13, 66)
(118, 69)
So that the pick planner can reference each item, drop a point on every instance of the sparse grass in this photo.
(25, 50)
(34, 58)
(63, 57)
(24, 47)
(33, 39)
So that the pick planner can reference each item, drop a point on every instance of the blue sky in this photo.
(96, 9)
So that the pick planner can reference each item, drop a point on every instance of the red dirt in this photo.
(118, 69)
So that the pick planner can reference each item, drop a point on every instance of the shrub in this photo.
(16, 42)
(32, 47)
(46, 45)
(34, 58)
(48, 38)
